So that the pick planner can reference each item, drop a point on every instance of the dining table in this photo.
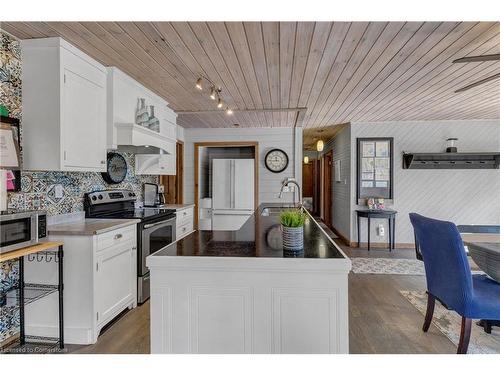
(484, 249)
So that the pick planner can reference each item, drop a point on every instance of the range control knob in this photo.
(99, 196)
(94, 197)
(131, 194)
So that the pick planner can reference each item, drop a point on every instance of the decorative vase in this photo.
(293, 238)
(153, 122)
(141, 114)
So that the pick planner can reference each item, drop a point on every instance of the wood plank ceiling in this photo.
(341, 72)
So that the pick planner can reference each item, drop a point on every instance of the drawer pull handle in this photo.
(118, 236)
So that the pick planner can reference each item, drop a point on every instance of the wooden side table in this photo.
(39, 252)
(390, 215)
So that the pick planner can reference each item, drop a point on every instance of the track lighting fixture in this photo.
(215, 93)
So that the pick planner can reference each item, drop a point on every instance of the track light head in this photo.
(229, 111)
(213, 93)
(199, 84)
(220, 103)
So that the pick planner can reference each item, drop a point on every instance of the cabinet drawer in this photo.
(183, 230)
(184, 216)
(116, 237)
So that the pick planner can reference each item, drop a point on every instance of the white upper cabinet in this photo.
(64, 108)
(124, 95)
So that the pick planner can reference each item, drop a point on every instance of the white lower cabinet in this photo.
(184, 222)
(115, 289)
(100, 281)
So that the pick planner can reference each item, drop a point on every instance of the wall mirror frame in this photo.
(375, 168)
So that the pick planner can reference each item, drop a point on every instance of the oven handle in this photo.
(147, 226)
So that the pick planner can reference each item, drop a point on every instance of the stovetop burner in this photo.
(144, 213)
(120, 204)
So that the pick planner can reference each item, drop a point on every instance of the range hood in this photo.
(137, 139)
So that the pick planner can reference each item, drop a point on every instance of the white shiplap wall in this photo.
(461, 196)
(268, 138)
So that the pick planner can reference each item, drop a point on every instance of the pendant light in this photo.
(320, 145)
(220, 103)
(306, 159)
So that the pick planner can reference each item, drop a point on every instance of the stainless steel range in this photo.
(155, 231)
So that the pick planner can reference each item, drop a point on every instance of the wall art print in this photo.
(38, 188)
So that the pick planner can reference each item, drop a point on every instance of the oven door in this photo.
(154, 236)
(17, 232)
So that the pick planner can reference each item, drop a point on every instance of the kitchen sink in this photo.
(268, 211)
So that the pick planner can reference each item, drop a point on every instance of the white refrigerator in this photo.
(232, 192)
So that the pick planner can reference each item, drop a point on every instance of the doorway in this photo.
(174, 185)
(327, 188)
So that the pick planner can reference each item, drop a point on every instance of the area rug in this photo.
(449, 322)
(388, 266)
(391, 266)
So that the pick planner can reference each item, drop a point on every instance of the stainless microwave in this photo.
(21, 229)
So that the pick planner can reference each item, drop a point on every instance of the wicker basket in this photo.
(293, 238)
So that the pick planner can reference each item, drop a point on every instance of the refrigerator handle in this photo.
(233, 183)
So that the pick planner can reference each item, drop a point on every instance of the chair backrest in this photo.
(446, 267)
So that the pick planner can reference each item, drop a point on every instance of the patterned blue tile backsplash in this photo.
(37, 188)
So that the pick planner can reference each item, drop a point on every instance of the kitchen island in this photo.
(240, 292)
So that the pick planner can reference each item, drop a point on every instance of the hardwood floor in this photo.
(381, 320)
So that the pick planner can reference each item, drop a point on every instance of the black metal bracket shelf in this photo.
(452, 160)
(27, 293)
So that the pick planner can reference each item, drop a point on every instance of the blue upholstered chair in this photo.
(449, 279)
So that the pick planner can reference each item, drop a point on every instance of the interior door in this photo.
(115, 278)
(222, 192)
(243, 183)
(327, 188)
(84, 124)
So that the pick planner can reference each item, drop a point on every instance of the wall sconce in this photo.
(306, 159)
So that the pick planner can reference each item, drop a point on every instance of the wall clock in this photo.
(276, 160)
(116, 169)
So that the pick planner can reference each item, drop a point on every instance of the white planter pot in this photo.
(293, 238)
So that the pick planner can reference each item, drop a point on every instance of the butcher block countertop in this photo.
(90, 227)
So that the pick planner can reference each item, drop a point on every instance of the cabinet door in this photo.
(115, 280)
(243, 181)
(222, 189)
(83, 122)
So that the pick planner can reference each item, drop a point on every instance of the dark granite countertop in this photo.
(260, 236)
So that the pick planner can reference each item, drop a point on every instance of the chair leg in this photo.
(463, 344)
(431, 301)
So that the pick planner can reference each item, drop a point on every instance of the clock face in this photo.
(117, 169)
(276, 160)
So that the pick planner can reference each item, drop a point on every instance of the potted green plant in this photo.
(292, 225)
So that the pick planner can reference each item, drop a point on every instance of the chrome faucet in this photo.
(287, 182)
